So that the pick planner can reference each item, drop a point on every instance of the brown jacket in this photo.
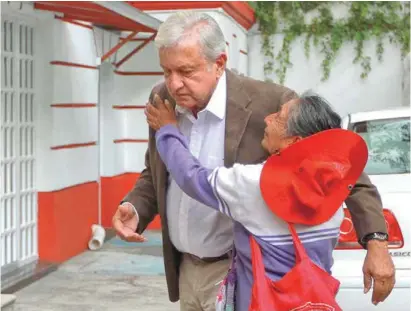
(248, 102)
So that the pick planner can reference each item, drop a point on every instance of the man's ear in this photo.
(221, 63)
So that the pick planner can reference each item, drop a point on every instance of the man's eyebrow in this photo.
(185, 67)
(182, 67)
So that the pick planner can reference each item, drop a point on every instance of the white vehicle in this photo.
(387, 134)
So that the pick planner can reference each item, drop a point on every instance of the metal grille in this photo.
(18, 195)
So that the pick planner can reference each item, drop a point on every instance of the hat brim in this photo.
(277, 175)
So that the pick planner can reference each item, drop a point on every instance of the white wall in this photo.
(111, 155)
(345, 90)
(126, 124)
(66, 167)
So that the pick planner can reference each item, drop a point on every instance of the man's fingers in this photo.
(119, 227)
(382, 289)
(376, 292)
(135, 237)
(367, 283)
(387, 291)
(379, 289)
(131, 237)
(125, 233)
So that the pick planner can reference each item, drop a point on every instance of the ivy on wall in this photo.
(364, 21)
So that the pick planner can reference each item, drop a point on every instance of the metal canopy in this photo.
(131, 12)
(108, 15)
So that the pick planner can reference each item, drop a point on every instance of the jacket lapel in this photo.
(237, 116)
(162, 170)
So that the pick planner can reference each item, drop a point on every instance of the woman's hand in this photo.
(160, 114)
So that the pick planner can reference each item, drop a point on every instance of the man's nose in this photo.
(175, 82)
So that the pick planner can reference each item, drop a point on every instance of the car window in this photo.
(388, 142)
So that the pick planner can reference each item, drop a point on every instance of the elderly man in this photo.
(222, 116)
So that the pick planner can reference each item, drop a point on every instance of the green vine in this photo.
(364, 21)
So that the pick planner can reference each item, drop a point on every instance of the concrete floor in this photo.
(120, 277)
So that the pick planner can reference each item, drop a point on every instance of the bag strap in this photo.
(256, 260)
(300, 253)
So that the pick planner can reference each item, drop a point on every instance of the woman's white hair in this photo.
(186, 25)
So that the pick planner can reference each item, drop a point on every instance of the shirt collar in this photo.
(217, 103)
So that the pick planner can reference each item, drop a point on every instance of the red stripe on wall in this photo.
(243, 52)
(128, 107)
(74, 22)
(139, 73)
(65, 218)
(71, 146)
(68, 64)
(73, 105)
(130, 140)
(113, 190)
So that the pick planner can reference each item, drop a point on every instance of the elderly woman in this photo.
(238, 193)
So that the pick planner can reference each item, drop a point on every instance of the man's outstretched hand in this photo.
(379, 271)
(125, 222)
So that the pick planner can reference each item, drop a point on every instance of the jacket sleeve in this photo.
(143, 197)
(365, 206)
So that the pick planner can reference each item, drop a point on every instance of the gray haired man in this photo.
(222, 115)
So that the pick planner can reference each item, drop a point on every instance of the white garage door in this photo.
(18, 212)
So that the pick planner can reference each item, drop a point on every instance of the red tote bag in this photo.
(306, 287)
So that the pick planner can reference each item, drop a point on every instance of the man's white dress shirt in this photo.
(193, 227)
